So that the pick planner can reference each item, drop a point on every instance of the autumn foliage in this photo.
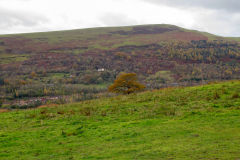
(126, 83)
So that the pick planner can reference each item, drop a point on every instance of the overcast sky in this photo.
(221, 17)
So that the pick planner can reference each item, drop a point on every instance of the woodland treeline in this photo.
(175, 63)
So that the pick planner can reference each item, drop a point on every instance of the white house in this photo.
(101, 69)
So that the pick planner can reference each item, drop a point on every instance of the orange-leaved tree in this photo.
(126, 83)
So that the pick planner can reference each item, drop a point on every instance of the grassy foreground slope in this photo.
(201, 122)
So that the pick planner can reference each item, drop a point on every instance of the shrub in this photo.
(126, 83)
(33, 74)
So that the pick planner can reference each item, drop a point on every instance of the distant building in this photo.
(101, 70)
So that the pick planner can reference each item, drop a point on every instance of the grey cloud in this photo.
(225, 24)
(221, 17)
(13, 19)
(227, 5)
(117, 19)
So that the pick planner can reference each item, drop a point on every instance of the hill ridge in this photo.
(68, 61)
(120, 27)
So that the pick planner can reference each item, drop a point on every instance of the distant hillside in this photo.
(200, 122)
(161, 55)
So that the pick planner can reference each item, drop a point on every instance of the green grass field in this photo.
(201, 122)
